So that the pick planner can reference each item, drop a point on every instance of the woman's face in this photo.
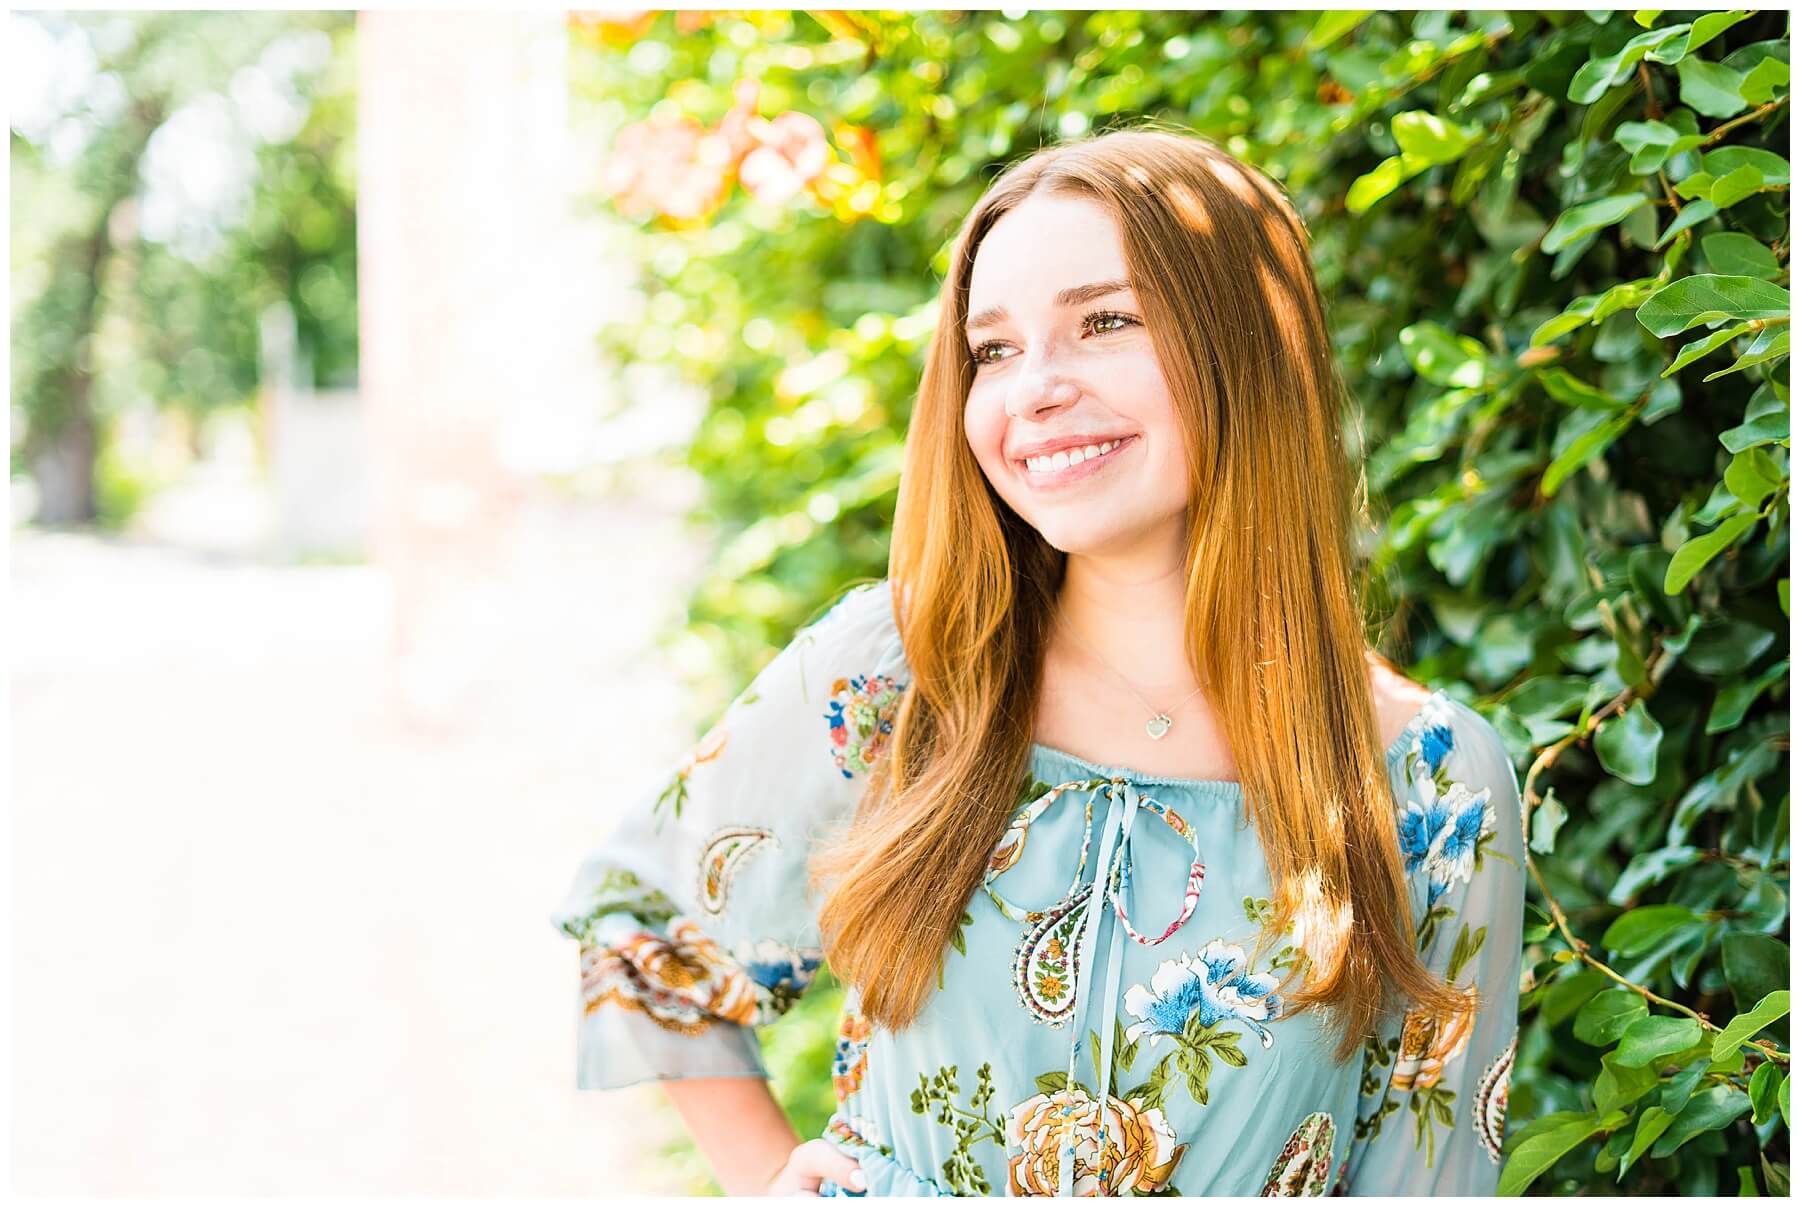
(1063, 368)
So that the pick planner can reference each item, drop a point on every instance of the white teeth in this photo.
(1068, 457)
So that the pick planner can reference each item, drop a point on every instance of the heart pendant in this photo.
(1158, 725)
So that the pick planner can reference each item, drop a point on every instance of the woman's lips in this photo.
(1071, 474)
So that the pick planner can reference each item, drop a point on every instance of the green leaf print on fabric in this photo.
(621, 891)
(937, 1094)
(1426, 1044)
(958, 942)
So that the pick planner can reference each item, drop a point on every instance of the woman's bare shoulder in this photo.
(1397, 698)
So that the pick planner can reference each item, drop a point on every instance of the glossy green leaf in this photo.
(1655, 1037)
(1745, 1026)
(1692, 215)
(1708, 1110)
(1764, 81)
(1699, 299)
(1377, 183)
(1765, 1086)
(1728, 159)
(1570, 390)
(1734, 186)
(1705, 28)
(1540, 1150)
(1694, 553)
(1567, 994)
(1627, 744)
(1429, 139)
(1765, 422)
(1711, 88)
(1442, 356)
(1648, 868)
(1587, 218)
(1725, 647)
(1755, 966)
(1752, 476)
(1585, 435)
(1652, 1123)
(1692, 352)
(1640, 929)
(1733, 253)
(1599, 74)
(1615, 1086)
(1333, 25)
(1606, 1016)
(1771, 343)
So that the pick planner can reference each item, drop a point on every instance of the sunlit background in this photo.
(334, 535)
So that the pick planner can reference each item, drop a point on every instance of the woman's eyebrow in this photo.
(1073, 296)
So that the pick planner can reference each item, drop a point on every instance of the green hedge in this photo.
(1555, 250)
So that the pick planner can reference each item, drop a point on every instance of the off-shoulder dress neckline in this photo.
(1395, 753)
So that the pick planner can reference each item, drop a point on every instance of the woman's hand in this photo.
(812, 1162)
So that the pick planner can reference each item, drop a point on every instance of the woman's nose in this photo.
(1036, 393)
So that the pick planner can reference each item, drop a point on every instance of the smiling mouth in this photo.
(1059, 468)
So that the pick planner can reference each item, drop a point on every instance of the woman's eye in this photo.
(977, 354)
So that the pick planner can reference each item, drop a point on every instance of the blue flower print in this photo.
(779, 975)
(1440, 832)
(1435, 739)
(1218, 985)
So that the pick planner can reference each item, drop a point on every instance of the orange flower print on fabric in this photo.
(684, 983)
(1429, 1042)
(1304, 1166)
(861, 716)
(1140, 1154)
(850, 1059)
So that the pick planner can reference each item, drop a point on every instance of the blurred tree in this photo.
(180, 172)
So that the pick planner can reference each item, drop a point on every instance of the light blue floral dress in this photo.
(1101, 1027)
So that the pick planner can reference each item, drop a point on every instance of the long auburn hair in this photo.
(1274, 613)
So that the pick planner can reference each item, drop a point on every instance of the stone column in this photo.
(460, 201)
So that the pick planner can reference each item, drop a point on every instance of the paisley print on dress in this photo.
(860, 714)
(724, 853)
(683, 982)
(1048, 959)
(1304, 1166)
(1489, 1115)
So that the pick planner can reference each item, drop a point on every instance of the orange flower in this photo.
(790, 154)
(1429, 1042)
(675, 167)
(1140, 1154)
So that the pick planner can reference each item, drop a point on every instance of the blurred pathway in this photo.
(268, 942)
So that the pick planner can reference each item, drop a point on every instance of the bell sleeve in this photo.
(692, 918)
(1432, 1111)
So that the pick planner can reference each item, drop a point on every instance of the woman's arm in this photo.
(747, 1139)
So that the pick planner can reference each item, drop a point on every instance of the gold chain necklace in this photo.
(1160, 720)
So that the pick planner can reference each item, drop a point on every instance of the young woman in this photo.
(1146, 873)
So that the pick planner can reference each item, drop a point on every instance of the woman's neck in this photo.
(1132, 616)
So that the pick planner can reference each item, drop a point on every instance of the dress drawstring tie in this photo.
(1111, 880)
